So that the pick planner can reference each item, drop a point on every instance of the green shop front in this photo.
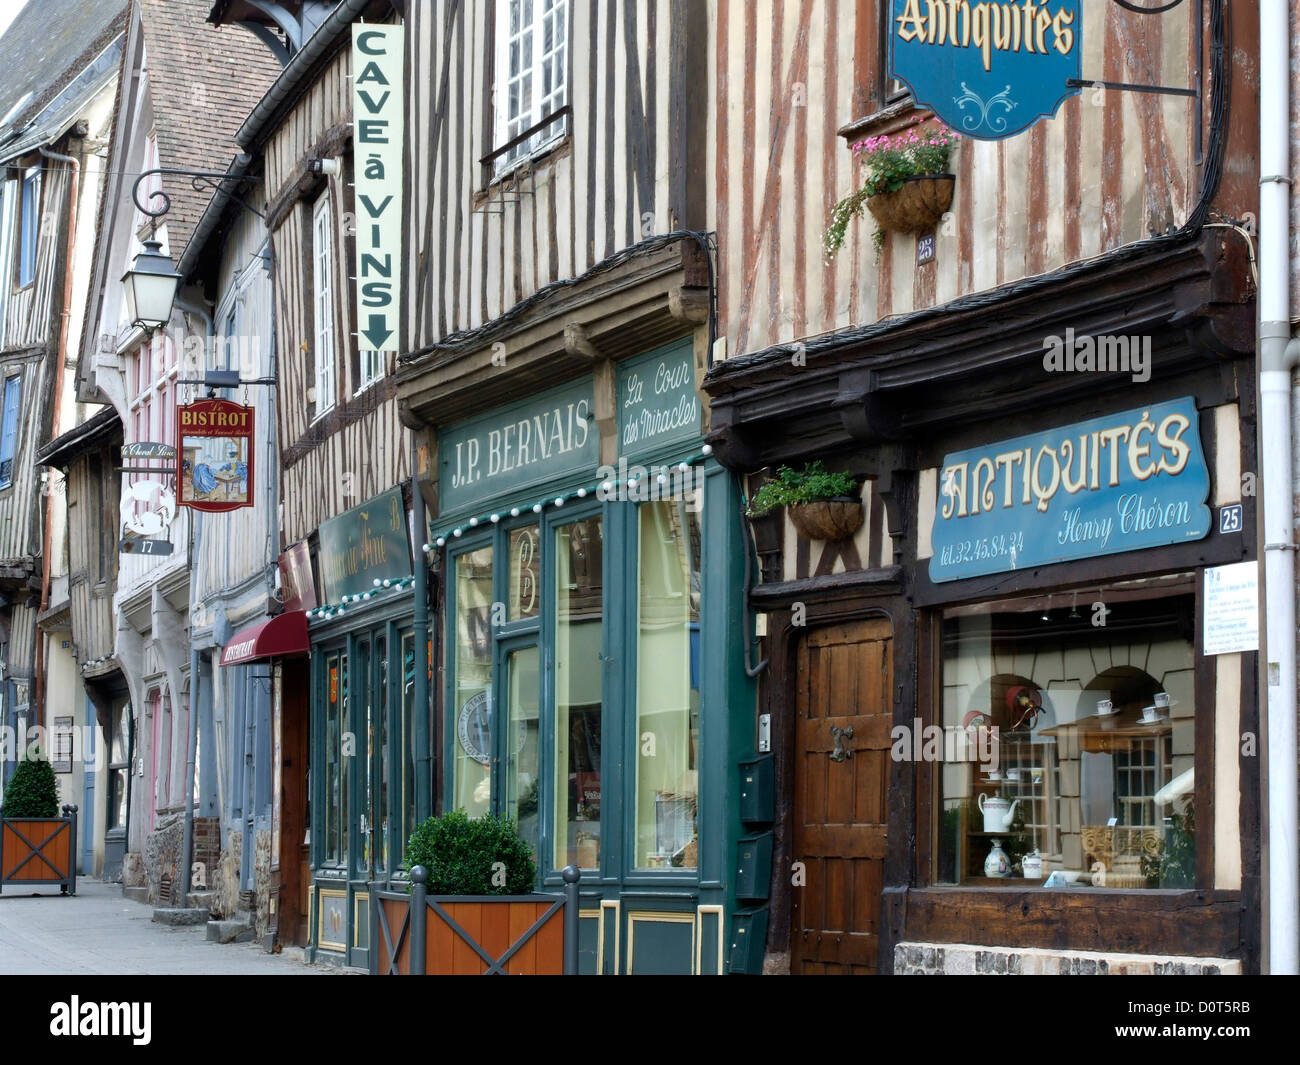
(593, 684)
(362, 722)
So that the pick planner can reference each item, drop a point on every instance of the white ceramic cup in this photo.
(1149, 713)
(1162, 700)
(1104, 706)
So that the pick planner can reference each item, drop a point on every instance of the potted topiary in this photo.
(906, 185)
(821, 505)
(36, 844)
(477, 875)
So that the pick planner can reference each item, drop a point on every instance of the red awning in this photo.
(279, 636)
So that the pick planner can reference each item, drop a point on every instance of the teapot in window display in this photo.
(997, 812)
(997, 863)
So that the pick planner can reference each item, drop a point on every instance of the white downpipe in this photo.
(1277, 357)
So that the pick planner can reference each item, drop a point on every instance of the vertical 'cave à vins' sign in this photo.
(988, 68)
(378, 104)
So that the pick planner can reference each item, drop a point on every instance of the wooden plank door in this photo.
(843, 681)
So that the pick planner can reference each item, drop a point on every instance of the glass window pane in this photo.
(667, 705)
(333, 686)
(523, 687)
(472, 683)
(345, 720)
(1069, 749)
(382, 752)
(408, 738)
(365, 790)
(578, 692)
(525, 566)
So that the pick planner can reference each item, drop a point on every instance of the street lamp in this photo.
(150, 287)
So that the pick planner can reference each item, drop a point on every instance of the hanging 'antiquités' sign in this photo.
(215, 460)
(988, 69)
(1123, 482)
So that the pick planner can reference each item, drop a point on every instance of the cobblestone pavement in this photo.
(98, 932)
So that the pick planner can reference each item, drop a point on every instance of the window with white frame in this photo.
(29, 231)
(9, 417)
(532, 74)
(152, 370)
(323, 303)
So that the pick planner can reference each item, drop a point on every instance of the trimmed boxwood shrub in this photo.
(32, 791)
(461, 855)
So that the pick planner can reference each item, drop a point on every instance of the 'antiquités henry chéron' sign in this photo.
(1123, 482)
(988, 69)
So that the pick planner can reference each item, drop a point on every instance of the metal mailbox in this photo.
(753, 866)
(758, 789)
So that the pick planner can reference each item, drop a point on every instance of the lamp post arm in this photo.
(200, 181)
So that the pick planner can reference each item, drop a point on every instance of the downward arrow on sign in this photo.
(377, 332)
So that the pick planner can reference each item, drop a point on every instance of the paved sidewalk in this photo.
(100, 933)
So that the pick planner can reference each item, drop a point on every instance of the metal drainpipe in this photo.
(420, 630)
(196, 540)
(1278, 356)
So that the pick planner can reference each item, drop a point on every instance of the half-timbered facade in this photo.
(344, 462)
(57, 106)
(947, 614)
(185, 90)
(587, 545)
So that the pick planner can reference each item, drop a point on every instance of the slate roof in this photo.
(203, 83)
(46, 47)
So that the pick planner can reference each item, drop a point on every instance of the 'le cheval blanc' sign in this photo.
(379, 117)
(1123, 482)
(988, 69)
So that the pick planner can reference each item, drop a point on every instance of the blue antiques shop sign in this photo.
(1124, 482)
(546, 438)
(988, 69)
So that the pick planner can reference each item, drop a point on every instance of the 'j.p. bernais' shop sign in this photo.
(988, 69)
(1123, 482)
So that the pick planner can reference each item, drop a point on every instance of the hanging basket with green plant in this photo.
(472, 856)
(905, 184)
(821, 505)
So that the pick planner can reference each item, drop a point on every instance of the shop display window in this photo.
(473, 652)
(668, 697)
(579, 621)
(1068, 753)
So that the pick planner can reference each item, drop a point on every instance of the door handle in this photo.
(841, 734)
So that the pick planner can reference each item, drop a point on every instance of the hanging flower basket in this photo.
(917, 206)
(827, 519)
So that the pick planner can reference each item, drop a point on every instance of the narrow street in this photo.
(100, 933)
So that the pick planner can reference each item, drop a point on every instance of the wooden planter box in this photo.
(39, 850)
(515, 935)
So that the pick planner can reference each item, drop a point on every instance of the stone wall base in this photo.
(954, 959)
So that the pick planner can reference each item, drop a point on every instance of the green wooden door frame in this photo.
(727, 705)
(380, 690)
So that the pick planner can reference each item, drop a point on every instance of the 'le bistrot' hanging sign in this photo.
(988, 68)
(1123, 482)
(215, 460)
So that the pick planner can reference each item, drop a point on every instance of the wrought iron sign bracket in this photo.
(200, 181)
(1196, 92)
